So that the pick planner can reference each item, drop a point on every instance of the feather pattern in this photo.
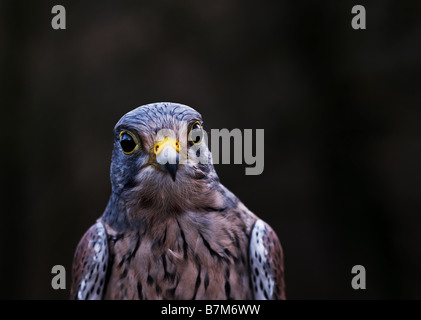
(90, 264)
(266, 263)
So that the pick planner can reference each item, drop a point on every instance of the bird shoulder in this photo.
(90, 264)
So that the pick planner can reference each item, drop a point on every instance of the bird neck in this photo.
(134, 210)
(115, 213)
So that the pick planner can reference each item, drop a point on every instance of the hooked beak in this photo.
(167, 155)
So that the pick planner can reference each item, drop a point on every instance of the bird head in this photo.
(160, 157)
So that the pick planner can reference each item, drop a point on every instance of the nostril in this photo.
(156, 149)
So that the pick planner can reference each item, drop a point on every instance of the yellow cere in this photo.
(168, 141)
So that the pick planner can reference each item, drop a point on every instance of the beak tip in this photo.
(172, 169)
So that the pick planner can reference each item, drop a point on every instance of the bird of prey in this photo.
(171, 230)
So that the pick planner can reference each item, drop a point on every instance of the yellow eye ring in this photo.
(128, 142)
(191, 131)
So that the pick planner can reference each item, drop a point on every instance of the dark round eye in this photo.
(128, 142)
(196, 133)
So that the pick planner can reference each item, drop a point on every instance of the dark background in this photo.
(341, 111)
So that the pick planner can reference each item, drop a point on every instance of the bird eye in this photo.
(128, 142)
(196, 133)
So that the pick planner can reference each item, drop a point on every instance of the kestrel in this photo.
(171, 230)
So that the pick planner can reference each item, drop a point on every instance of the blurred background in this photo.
(341, 110)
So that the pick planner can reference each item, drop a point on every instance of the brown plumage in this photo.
(173, 231)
